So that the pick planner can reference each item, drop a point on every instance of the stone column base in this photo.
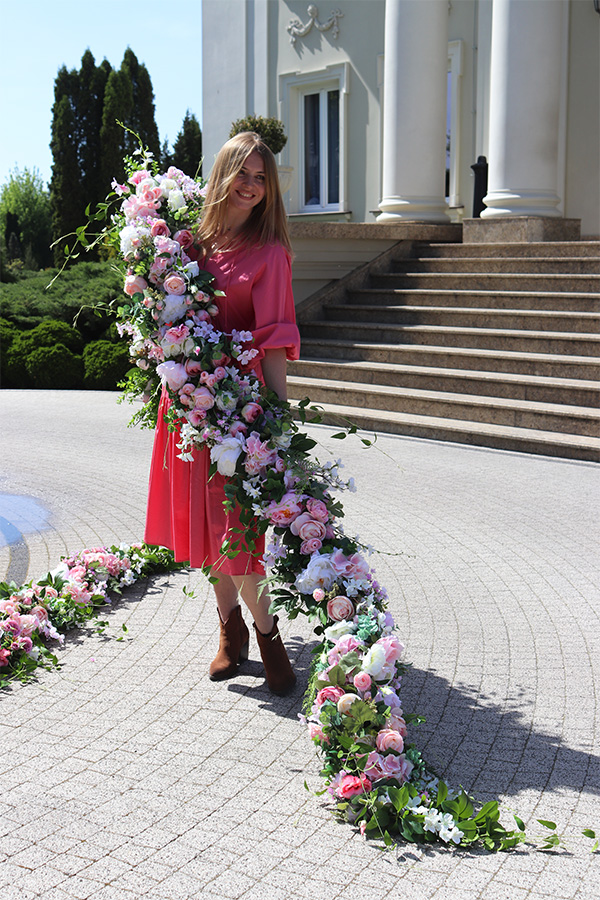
(520, 230)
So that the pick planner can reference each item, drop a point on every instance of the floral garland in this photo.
(377, 780)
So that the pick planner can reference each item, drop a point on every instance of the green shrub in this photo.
(54, 367)
(7, 335)
(105, 364)
(270, 130)
(28, 345)
(29, 301)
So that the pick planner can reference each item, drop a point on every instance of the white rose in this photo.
(175, 308)
(192, 269)
(167, 185)
(226, 402)
(226, 454)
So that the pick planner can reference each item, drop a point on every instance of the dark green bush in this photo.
(54, 367)
(105, 364)
(28, 345)
(7, 335)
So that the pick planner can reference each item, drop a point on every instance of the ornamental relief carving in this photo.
(297, 30)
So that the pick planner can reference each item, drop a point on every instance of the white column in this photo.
(525, 90)
(414, 111)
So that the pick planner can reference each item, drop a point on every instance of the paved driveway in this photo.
(127, 774)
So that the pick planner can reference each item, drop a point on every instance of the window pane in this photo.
(333, 147)
(312, 137)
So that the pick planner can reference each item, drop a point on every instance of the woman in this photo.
(244, 243)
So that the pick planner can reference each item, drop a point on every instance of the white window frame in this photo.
(293, 87)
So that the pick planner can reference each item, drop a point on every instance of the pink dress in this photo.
(185, 510)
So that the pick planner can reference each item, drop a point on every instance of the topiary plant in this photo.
(25, 357)
(105, 365)
(55, 367)
(269, 129)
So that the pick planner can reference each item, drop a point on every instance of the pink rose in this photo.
(184, 237)
(362, 681)
(389, 740)
(346, 644)
(196, 416)
(331, 692)
(160, 228)
(310, 546)
(305, 527)
(220, 373)
(134, 284)
(238, 428)
(339, 608)
(317, 509)
(193, 367)
(138, 176)
(317, 733)
(353, 785)
(203, 398)
(251, 412)
(175, 284)
(319, 594)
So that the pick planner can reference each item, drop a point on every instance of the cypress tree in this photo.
(187, 149)
(66, 196)
(141, 118)
(118, 105)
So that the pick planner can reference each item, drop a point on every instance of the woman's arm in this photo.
(274, 367)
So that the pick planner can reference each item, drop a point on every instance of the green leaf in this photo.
(547, 824)
(442, 792)
(587, 832)
(520, 823)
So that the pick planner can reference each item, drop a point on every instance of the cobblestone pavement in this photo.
(127, 774)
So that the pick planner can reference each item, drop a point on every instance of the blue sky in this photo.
(40, 36)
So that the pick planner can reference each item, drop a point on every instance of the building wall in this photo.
(248, 60)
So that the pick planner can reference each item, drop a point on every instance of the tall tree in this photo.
(187, 149)
(88, 144)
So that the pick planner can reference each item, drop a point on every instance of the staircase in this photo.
(495, 345)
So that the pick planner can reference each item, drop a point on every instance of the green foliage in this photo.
(29, 301)
(48, 356)
(87, 143)
(270, 130)
(25, 220)
(105, 364)
(187, 149)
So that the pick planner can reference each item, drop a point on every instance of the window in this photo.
(321, 148)
(313, 109)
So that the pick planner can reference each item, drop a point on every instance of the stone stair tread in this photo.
(448, 329)
(446, 292)
(483, 353)
(508, 259)
(468, 310)
(466, 374)
(449, 397)
(587, 249)
(464, 426)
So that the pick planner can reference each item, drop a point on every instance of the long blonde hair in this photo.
(267, 222)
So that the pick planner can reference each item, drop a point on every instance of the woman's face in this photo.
(248, 188)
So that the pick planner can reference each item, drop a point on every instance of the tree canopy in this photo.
(25, 222)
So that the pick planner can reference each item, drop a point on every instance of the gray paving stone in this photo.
(129, 765)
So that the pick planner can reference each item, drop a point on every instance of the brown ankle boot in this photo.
(233, 646)
(278, 670)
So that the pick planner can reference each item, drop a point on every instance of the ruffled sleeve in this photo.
(273, 302)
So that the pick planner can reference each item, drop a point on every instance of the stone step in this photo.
(489, 281)
(480, 434)
(490, 384)
(480, 338)
(505, 361)
(491, 410)
(499, 250)
(514, 319)
(575, 265)
(524, 300)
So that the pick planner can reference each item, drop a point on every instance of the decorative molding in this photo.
(296, 29)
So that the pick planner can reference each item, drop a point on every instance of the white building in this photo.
(369, 90)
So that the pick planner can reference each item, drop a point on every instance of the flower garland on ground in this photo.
(376, 779)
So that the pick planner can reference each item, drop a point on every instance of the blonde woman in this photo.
(243, 241)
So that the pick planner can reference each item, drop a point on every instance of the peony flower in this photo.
(389, 740)
(352, 785)
(160, 227)
(331, 692)
(317, 509)
(318, 573)
(173, 374)
(339, 608)
(226, 455)
(334, 632)
(284, 511)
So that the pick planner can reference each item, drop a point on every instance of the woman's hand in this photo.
(274, 368)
